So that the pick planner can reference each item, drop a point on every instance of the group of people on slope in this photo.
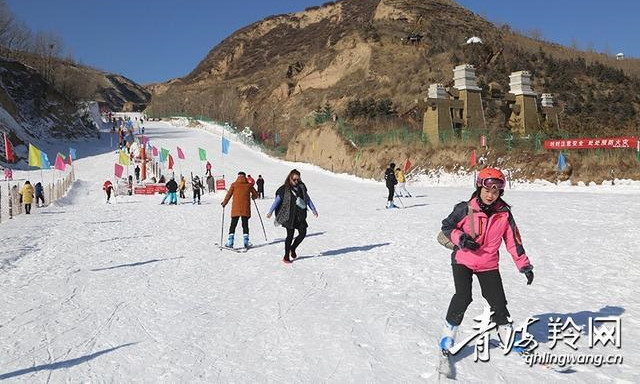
(28, 192)
(395, 180)
(290, 206)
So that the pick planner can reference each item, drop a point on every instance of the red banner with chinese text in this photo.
(606, 143)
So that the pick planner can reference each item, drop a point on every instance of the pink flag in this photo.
(118, 170)
(155, 150)
(145, 140)
(59, 165)
(180, 154)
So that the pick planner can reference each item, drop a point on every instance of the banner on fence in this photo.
(586, 143)
(220, 184)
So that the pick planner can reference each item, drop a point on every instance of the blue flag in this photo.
(562, 163)
(72, 152)
(45, 161)
(225, 146)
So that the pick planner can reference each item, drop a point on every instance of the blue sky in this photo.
(157, 40)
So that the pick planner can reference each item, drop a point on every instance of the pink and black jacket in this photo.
(490, 231)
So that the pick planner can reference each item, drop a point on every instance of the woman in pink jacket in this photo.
(477, 228)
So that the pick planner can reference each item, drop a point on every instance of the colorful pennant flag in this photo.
(154, 150)
(180, 154)
(72, 154)
(562, 163)
(8, 150)
(163, 154)
(35, 156)
(225, 146)
(407, 165)
(170, 162)
(59, 164)
(202, 154)
(118, 170)
(124, 158)
(45, 161)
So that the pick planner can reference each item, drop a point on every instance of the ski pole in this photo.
(222, 229)
(261, 223)
(400, 200)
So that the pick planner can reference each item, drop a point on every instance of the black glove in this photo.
(529, 276)
(467, 242)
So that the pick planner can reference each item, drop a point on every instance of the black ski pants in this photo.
(39, 198)
(27, 209)
(492, 291)
(234, 224)
(391, 189)
(289, 243)
(196, 195)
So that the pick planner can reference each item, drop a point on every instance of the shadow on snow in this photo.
(135, 264)
(61, 364)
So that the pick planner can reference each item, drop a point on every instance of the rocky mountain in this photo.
(31, 110)
(272, 74)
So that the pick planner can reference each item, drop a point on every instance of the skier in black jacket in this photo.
(391, 181)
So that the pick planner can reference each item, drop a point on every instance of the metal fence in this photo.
(10, 205)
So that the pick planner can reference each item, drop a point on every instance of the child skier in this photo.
(401, 190)
(476, 228)
(107, 187)
(39, 194)
(242, 192)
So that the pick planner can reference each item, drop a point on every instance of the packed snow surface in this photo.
(135, 291)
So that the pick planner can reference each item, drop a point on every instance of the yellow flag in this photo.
(124, 158)
(35, 157)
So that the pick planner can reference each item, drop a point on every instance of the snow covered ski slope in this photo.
(135, 291)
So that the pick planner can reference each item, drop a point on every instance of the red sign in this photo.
(610, 142)
(150, 189)
(220, 184)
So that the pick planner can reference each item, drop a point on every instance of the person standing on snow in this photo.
(39, 194)
(290, 205)
(172, 189)
(182, 186)
(210, 184)
(401, 191)
(242, 192)
(208, 168)
(107, 187)
(260, 185)
(390, 180)
(197, 188)
(137, 172)
(477, 228)
(26, 195)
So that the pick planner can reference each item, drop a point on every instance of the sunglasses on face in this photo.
(493, 183)
(295, 179)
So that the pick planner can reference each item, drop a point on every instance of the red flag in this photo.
(170, 162)
(69, 159)
(180, 154)
(118, 170)
(59, 165)
(473, 158)
(407, 165)
(8, 150)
